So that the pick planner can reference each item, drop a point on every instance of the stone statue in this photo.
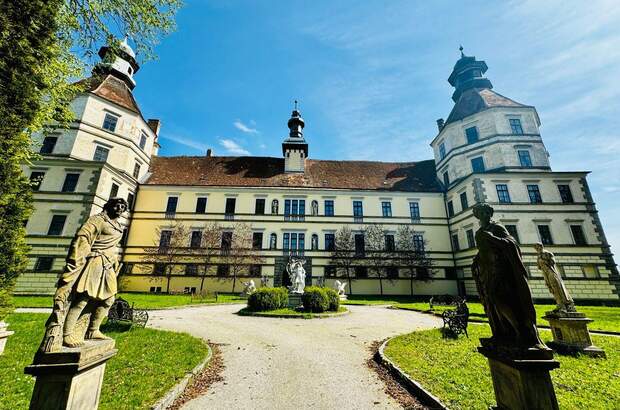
(297, 275)
(274, 207)
(501, 280)
(86, 289)
(339, 286)
(250, 287)
(553, 279)
(315, 208)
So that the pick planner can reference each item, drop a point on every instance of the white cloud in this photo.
(245, 128)
(233, 148)
(188, 142)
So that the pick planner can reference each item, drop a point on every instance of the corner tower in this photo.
(295, 147)
(119, 61)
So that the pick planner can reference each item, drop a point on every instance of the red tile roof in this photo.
(112, 89)
(269, 172)
(475, 100)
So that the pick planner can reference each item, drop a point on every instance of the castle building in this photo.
(489, 149)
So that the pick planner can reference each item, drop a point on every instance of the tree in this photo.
(209, 249)
(37, 63)
(170, 246)
(240, 256)
(412, 252)
(343, 254)
(375, 253)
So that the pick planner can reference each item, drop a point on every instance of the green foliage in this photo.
(334, 299)
(315, 299)
(268, 299)
(6, 303)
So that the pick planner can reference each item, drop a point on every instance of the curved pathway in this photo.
(293, 363)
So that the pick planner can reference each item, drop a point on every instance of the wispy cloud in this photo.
(233, 148)
(245, 128)
(188, 142)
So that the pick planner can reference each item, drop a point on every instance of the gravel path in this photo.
(293, 363)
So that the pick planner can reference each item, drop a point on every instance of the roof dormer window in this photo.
(109, 122)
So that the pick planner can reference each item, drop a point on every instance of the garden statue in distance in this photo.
(339, 286)
(86, 289)
(297, 275)
(249, 288)
(553, 280)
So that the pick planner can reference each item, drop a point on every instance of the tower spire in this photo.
(468, 73)
(295, 147)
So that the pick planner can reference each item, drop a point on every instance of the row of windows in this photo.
(472, 135)
(534, 195)
(294, 209)
(109, 123)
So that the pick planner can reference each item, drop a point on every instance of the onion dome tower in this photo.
(295, 147)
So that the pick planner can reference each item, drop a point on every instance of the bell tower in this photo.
(295, 147)
(119, 61)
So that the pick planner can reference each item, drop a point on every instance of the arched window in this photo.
(315, 242)
(273, 241)
(315, 208)
(274, 207)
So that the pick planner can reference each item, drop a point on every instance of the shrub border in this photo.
(301, 315)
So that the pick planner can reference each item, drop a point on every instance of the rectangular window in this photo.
(477, 164)
(578, 236)
(534, 194)
(130, 199)
(361, 272)
(450, 209)
(565, 194)
(171, 206)
(464, 204)
(143, 138)
(590, 271)
(515, 126)
(114, 191)
(390, 245)
(223, 270)
(44, 263)
(226, 242)
(136, 170)
(191, 269)
(256, 271)
(36, 178)
(329, 207)
(502, 193)
(418, 242)
(159, 269)
(196, 239)
(294, 241)
(545, 235)
(259, 206)
(109, 122)
(330, 241)
(446, 179)
(358, 211)
(472, 135)
(524, 158)
(165, 237)
(70, 183)
(286, 240)
(414, 211)
(49, 143)
(101, 154)
(57, 225)
(386, 209)
(329, 271)
(155, 289)
(294, 209)
(359, 245)
(257, 240)
(512, 230)
(230, 208)
(391, 272)
(471, 242)
(455, 242)
(442, 151)
(201, 205)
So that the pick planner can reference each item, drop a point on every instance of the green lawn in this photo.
(290, 312)
(605, 318)
(141, 300)
(459, 376)
(149, 362)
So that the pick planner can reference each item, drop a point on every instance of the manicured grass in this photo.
(377, 300)
(459, 376)
(290, 312)
(606, 318)
(149, 362)
(141, 300)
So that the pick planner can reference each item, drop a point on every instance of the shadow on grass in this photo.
(116, 327)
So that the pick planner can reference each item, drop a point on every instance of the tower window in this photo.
(565, 194)
(502, 193)
(130, 199)
(386, 209)
(101, 153)
(57, 225)
(472, 135)
(464, 204)
(477, 164)
(70, 183)
(109, 122)
(136, 170)
(515, 126)
(36, 178)
(545, 234)
(143, 138)
(578, 236)
(450, 209)
(44, 263)
(524, 158)
(329, 207)
(455, 242)
(442, 151)
(414, 211)
(48, 145)
(446, 179)
(113, 190)
(534, 194)
(471, 242)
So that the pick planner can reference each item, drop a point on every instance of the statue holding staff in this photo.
(553, 280)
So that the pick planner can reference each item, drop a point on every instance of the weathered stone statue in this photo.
(249, 287)
(297, 275)
(553, 280)
(86, 289)
(339, 287)
(501, 280)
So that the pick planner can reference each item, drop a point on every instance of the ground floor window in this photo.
(155, 289)
(361, 272)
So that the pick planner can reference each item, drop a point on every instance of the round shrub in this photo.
(315, 299)
(334, 299)
(268, 299)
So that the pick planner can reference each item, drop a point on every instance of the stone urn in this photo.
(4, 335)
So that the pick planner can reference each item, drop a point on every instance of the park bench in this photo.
(457, 319)
(120, 311)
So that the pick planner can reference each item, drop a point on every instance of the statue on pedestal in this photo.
(339, 286)
(86, 289)
(553, 280)
(297, 275)
(249, 287)
(501, 280)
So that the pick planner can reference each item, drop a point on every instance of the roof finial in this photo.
(461, 50)
(295, 105)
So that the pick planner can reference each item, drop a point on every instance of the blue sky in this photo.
(371, 78)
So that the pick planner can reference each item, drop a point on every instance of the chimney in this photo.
(440, 124)
(209, 152)
(154, 125)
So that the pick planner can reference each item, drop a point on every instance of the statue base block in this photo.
(294, 300)
(70, 379)
(570, 333)
(523, 382)
(343, 297)
(4, 335)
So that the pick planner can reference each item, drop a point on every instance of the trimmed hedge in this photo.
(268, 299)
(319, 300)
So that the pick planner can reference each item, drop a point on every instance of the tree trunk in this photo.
(380, 285)
(350, 282)
(234, 282)
(202, 281)
(411, 282)
(168, 283)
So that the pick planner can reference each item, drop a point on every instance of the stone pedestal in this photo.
(4, 335)
(570, 333)
(343, 297)
(521, 380)
(294, 300)
(70, 379)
